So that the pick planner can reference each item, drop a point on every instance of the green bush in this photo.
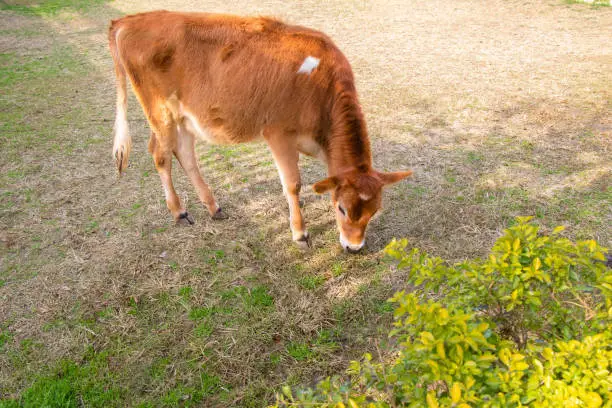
(529, 326)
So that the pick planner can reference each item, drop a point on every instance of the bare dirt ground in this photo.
(502, 108)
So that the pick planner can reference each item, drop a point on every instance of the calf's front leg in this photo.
(286, 156)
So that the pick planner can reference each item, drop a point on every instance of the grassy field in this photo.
(500, 107)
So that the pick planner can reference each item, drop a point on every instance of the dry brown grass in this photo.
(502, 109)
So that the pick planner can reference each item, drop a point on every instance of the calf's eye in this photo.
(342, 210)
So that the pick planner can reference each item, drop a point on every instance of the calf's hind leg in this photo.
(161, 150)
(185, 153)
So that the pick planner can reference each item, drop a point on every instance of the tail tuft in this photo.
(122, 147)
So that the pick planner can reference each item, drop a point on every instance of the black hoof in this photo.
(185, 219)
(219, 215)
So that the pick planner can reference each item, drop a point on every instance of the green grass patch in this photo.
(474, 157)
(189, 396)
(5, 337)
(203, 330)
(92, 227)
(257, 297)
(213, 257)
(18, 69)
(199, 313)
(275, 358)
(593, 4)
(91, 384)
(157, 370)
(311, 282)
(49, 7)
(299, 351)
(185, 292)
(326, 341)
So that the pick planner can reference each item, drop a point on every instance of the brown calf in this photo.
(227, 80)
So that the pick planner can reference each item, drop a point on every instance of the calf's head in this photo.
(356, 196)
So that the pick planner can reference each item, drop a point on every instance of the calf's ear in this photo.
(325, 185)
(394, 177)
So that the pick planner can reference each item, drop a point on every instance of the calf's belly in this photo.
(217, 134)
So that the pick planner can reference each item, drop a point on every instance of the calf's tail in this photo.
(122, 144)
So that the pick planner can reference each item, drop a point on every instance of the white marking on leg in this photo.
(309, 64)
(282, 180)
(121, 125)
(166, 191)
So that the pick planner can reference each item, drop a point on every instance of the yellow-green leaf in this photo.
(432, 401)
(434, 366)
(593, 400)
(537, 264)
(520, 366)
(504, 356)
(440, 350)
(488, 357)
(459, 353)
(427, 338)
(592, 245)
(547, 353)
(455, 393)
(483, 326)
(538, 366)
(524, 220)
(443, 316)
(558, 229)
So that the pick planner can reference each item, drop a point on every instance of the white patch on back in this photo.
(309, 64)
